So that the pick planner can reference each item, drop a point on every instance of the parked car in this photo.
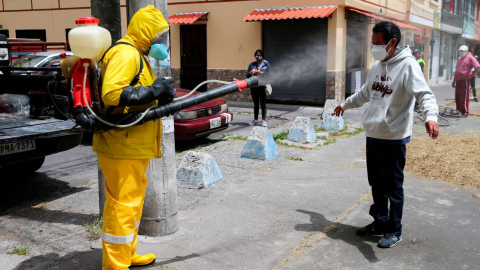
(201, 120)
(40, 59)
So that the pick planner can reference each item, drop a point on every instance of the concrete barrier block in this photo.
(329, 108)
(260, 145)
(330, 121)
(302, 131)
(323, 136)
(333, 123)
(198, 170)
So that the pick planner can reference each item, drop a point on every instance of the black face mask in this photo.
(259, 58)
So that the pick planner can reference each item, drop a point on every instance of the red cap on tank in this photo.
(87, 20)
(63, 55)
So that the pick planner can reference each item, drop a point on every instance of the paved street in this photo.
(275, 214)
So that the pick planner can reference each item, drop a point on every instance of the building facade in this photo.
(318, 52)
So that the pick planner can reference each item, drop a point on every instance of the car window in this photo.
(29, 61)
(50, 61)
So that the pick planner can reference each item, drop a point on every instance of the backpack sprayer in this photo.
(81, 71)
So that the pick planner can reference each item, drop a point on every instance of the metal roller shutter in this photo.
(306, 41)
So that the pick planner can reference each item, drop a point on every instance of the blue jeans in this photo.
(385, 164)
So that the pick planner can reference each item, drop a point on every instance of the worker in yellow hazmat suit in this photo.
(129, 84)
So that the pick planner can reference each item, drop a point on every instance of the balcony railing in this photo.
(452, 19)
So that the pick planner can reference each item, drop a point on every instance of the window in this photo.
(4, 32)
(34, 34)
(29, 61)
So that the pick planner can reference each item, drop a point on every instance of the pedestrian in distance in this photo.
(393, 84)
(461, 80)
(472, 81)
(260, 67)
(129, 85)
(420, 61)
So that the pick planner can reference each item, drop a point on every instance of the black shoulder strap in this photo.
(137, 77)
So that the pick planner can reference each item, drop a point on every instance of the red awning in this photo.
(186, 17)
(284, 13)
(399, 24)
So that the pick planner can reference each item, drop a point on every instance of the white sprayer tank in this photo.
(89, 40)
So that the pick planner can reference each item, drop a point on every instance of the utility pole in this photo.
(108, 11)
(160, 208)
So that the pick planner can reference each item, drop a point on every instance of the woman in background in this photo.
(259, 68)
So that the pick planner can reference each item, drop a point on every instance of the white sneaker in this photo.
(264, 123)
(254, 123)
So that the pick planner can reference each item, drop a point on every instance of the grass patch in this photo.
(94, 228)
(330, 141)
(452, 159)
(288, 145)
(476, 196)
(295, 158)
(19, 251)
(40, 206)
(225, 136)
(344, 133)
(281, 136)
(313, 118)
(215, 148)
(319, 128)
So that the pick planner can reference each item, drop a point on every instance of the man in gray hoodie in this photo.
(393, 84)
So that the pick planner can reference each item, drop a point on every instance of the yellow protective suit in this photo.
(120, 65)
(124, 154)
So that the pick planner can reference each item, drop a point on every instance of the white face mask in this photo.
(379, 52)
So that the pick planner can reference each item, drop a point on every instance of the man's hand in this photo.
(251, 72)
(453, 84)
(470, 77)
(258, 72)
(432, 129)
(338, 111)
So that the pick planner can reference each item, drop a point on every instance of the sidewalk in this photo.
(287, 214)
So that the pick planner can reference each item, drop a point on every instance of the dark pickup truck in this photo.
(28, 130)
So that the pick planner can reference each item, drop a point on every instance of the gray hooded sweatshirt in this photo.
(390, 88)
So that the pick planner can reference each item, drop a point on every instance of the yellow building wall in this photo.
(425, 8)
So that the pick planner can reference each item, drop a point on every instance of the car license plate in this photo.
(16, 147)
(215, 122)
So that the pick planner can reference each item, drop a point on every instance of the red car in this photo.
(201, 120)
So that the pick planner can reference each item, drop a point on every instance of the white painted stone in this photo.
(198, 170)
(305, 145)
(322, 135)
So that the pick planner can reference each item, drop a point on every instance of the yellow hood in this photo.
(145, 27)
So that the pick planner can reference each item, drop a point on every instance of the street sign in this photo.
(417, 38)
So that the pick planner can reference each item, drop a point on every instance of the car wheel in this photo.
(25, 166)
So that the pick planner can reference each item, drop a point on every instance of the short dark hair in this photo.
(389, 30)
(259, 51)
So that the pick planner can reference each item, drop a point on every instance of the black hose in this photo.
(88, 123)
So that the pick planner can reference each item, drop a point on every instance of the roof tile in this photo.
(186, 18)
(289, 13)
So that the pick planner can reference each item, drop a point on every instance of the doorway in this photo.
(193, 51)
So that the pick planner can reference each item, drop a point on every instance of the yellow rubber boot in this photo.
(142, 259)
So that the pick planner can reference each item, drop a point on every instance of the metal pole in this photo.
(160, 208)
(108, 11)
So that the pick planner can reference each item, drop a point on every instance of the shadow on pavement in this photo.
(91, 259)
(343, 232)
(32, 189)
(178, 259)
